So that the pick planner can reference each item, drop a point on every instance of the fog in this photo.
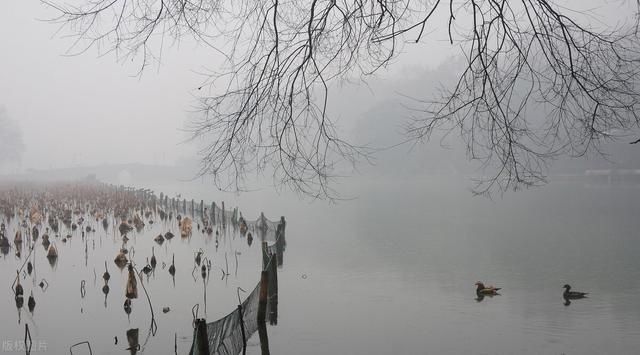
(86, 109)
(94, 108)
(391, 266)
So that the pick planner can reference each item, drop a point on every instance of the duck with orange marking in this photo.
(481, 289)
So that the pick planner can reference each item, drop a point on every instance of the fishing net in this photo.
(227, 335)
(224, 216)
(224, 336)
(265, 229)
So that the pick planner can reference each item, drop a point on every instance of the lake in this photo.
(391, 271)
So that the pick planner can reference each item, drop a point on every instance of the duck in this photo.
(172, 268)
(572, 295)
(486, 290)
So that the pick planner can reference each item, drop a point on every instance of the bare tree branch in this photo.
(539, 81)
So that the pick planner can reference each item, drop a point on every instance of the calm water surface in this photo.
(390, 272)
(66, 314)
(393, 272)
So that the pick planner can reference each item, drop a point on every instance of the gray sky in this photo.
(84, 110)
(88, 109)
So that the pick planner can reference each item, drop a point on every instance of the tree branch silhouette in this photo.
(267, 108)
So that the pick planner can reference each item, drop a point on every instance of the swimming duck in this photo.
(486, 290)
(568, 294)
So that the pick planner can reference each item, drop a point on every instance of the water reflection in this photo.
(19, 299)
(18, 249)
(31, 303)
(480, 297)
(172, 268)
(105, 290)
(52, 256)
(127, 306)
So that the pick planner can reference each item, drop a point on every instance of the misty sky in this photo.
(86, 109)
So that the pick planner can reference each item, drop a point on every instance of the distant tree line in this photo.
(265, 110)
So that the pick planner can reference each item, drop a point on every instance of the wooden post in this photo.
(265, 255)
(263, 222)
(264, 339)
(272, 305)
(202, 209)
(262, 303)
(224, 220)
(280, 241)
(200, 344)
(184, 205)
(213, 213)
